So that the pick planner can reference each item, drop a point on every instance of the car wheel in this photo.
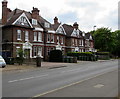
(3, 66)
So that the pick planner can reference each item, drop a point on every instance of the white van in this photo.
(2, 62)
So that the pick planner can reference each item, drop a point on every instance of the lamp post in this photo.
(94, 27)
(94, 37)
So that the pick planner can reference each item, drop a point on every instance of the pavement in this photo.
(26, 67)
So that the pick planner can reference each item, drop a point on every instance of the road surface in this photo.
(87, 79)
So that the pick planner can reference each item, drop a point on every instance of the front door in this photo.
(27, 53)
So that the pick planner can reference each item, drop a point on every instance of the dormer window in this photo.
(34, 21)
(47, 25)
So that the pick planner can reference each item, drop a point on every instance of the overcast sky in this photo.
(102, 13)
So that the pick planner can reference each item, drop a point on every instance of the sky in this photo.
(87, 13)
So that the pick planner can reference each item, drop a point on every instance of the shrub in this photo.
(103, 55)
(20, 59)
(55, 56)
(85, 56)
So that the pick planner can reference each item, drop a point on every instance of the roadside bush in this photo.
(103, 55)
(20, 59)
(55, 56)
(84, 56)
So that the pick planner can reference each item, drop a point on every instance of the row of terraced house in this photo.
(37, 36)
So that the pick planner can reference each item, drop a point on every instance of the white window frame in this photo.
(73, 42)
(26, 36)
(62, 40)
(17, 48)
(58, 40)
(47, 25)
(76, 42)
(39, 36)
(35, 36)
(82, 42)
(19, 34)
(48, 38)
(34, 21)
(35, 51)
(40, 51)
(52, 38)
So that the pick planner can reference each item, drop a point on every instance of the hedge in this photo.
(84, 56)
(102, 53)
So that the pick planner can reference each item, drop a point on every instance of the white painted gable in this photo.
(22, 20)
(90, 37)
(75, 33)
(61, 30)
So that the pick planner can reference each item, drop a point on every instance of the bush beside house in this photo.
(103, 55)
(84, 56)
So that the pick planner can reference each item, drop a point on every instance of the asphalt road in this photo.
(82, 77)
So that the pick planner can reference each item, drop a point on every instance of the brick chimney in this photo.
(35, 13)
(75, 25)
(56, 20)
(4, 12)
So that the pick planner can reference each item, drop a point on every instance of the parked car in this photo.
(2, 62)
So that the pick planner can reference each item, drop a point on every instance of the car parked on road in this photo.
(2, 62)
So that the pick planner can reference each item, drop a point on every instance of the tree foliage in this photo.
(106, 40)
(20, 59)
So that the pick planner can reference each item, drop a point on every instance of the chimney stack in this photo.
(4, 12)
(56, 20)
(35, 13)
(75, 25)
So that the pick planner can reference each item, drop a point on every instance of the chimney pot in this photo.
(56, 20)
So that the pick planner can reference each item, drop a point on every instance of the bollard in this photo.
(38, 61)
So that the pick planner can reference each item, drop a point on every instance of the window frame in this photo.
(26, 35)
(19, 36)
(40, 36)
(35, 36)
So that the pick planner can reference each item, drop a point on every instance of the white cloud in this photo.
(86, 12)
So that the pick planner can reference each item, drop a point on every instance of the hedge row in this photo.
(84, 56)
(102, 53)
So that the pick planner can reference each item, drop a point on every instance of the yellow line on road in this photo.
(69, 85)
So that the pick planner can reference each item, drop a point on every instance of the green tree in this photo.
(103, 38)
(20, 59)
(116, 50)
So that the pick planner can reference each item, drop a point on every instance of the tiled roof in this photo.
(13, 15)
(68, 29)
(87, 35)
(13, 18)
(55, 26)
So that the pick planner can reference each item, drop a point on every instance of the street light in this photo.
(94, 37)
(94, 27)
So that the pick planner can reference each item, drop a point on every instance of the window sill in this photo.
(39, 41)
(19, 39)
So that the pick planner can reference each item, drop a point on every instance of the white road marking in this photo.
(68, 85)
(26, 78)
(98, 86)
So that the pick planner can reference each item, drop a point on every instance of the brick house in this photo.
(89, 43)
(60, 35)
(74, 38)
(36, 36)
(26, 30)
